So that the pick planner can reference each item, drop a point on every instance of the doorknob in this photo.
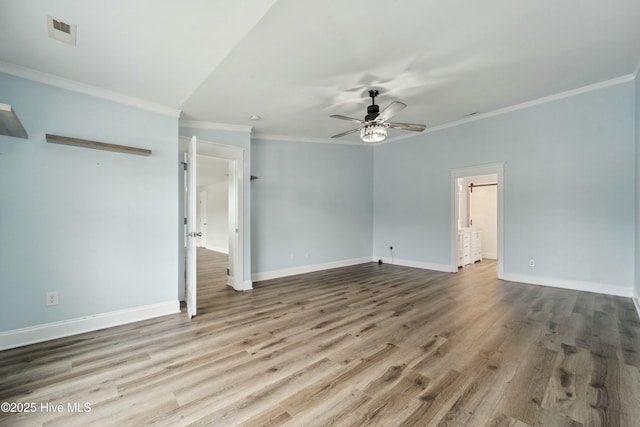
(194, 234)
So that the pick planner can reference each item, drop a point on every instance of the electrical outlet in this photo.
(532, 263)
(52, 298)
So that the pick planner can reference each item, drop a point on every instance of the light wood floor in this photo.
(363, 345)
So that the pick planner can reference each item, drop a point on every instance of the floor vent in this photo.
(61, 31)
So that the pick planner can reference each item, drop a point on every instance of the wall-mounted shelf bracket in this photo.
(10, 124)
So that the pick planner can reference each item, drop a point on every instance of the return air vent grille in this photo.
(62, 26)
(61, 30)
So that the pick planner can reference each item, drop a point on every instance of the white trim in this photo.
(208, 147)
(488, 169)
(576, 285)
(544, 100)
(237, 160)
(247, 285)
(65, 328)
(403, 136)
(551, 98)
(418, 264)
(86, 89)
(196, 124)
(272, 137)
(275, 274)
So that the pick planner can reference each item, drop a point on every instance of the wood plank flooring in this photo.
(368, 345)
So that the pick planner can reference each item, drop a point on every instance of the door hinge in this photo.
(228, 272)
(185, 221)
(185, 165)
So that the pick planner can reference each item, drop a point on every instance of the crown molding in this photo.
(535, 102)
(551, 98)
(86, 89)
(196, 124)
(273, 137)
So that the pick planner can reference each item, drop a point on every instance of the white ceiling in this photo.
(295, 62)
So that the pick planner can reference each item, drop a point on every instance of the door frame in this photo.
(202, 219)
(487, 169)
(236, 157)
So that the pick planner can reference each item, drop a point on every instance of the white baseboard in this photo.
(418, 264)
(65, 328)
(275, 274)
(247, 285)
(576, 285)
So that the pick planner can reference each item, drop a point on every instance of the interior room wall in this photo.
(98, 227)
(312, 204)
(568, 180)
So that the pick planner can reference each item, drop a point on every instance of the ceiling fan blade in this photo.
(392, 109)
(338, 116)
(407, 126)
(345, 133)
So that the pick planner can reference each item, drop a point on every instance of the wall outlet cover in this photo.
(52, 298)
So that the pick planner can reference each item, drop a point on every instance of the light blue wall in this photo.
(569, 186)
(240, 139)
(310, 198)
(98, 227)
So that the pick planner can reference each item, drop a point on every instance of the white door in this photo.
(191, 266)
(483, 212)
(202, 218)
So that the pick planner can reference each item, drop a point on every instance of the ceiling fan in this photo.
(374, 126)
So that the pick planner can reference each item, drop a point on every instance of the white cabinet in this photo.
(469, 246)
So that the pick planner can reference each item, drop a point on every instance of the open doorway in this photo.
(212, 216)
(191, 237)
(476, 226)
(212, 222)
(478, 215)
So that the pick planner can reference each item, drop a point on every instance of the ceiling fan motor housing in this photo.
(372, 112)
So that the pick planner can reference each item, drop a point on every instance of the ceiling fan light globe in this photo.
(373, 133)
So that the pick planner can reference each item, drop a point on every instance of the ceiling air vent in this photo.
(61, 31)
(62, 26)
